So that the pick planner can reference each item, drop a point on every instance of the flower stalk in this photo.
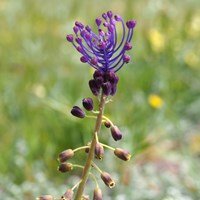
(90, 157)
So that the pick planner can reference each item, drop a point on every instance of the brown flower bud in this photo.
(65, 155)
(116, 133)
(67, 195)
(99, 151)
(122, 154)
(65, 167)
(45, 197)
(97, 194)
(107, 179)
(107, 124)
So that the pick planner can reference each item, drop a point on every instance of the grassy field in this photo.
(157, 105)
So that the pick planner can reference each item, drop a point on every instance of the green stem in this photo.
(90, 157)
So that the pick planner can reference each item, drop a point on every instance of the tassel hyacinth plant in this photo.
(107, 55)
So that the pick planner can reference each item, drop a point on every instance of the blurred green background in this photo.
(157, 105)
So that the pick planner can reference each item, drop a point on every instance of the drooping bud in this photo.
(97, 194)
(45, 197)
(65, 167)
(99, 151)
(107, 124)
(77, 112)
(107, 179)
(88, 104)
(122, 154)
(106, 87)
(116, 133)
(68, 195)
(70, 38)
(94, 88)
(118, 18)
(65, 155)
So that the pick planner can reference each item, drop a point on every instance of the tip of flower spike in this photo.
(131, 24)
(110, 14)
(70, 38)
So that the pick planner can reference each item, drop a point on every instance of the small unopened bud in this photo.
(122, 154)
(131, 24)
(94, 88)
(98, 21)
(107, 179)
(126, 58)
(65, 155)
(65, 167)
(107, 124)
(106, 87)
(67, 195)
(127, 46)
(77, 112)
(88, 104)
(97, 194)
(116, 133)
(99, 151)
(45, 197)
(83, 59)
(70, 38)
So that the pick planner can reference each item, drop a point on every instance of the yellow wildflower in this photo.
(155, 101)
(157, 40)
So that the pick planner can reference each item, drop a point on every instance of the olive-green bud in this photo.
(107, 179)
(65, 167)
(97, 194)
(122, 154)
(65, 155)
(45, 197)
(107, 124)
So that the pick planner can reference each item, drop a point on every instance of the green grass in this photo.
(41, 78)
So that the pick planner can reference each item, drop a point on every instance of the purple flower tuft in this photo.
(104, 51)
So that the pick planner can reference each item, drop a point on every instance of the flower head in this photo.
(103, 51)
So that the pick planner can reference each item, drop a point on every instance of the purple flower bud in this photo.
(65, 167)
(45, 197)
(118, 18)
(94, 88)
(110, 14)
(99, 151)
(131, 24)
(83, 32)
(97, 194)
(127, 46)
(88, 36)
(97, 74)
(75, 28)
(70, 38)
(88, 28)
(98, 21)
(106, 24)
(106, 87)
(126, 58)
(116, 133)
(78, 40)
(79, 49)
(94, 61)
(107, 179)
(101, 33)
(88, 104)
(99, 81)
(65, 155)
(83, 59)
(111, 77)
(79, 24)
(68, 195)
(77, 112)
(122, 154)
(104, 15)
